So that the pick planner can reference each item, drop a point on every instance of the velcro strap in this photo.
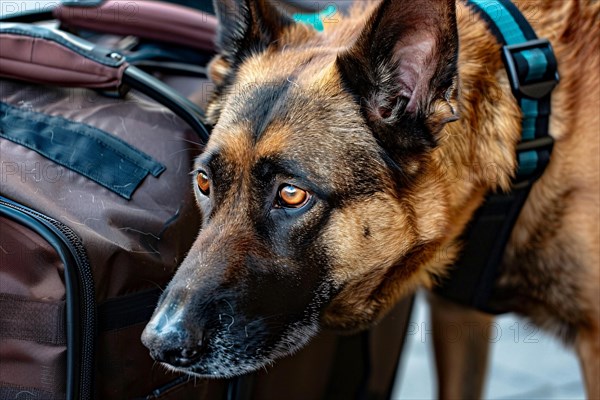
(37, 321)
(125, 311)
(27, 393)
(92, 152)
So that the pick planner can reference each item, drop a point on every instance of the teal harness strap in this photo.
(532, 71)
(316, 20)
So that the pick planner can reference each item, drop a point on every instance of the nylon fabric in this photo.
(38, 321)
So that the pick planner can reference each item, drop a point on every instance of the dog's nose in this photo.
(174, 346)
(171, 342)
(178, 357)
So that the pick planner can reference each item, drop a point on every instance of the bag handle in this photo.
(41, 55)
(146, 19)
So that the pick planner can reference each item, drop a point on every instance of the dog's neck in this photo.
(477, 153)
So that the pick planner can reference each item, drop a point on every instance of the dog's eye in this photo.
(203, 183)
(292, 197)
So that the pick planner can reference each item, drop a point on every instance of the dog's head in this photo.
(319, 201)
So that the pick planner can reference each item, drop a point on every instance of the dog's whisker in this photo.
(230, 306)
(292, 82)
(159, 287)
(191, 141)
(266, 318)
(231, 344)
(181, 151)
(232, 321)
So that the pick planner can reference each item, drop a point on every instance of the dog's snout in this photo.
(180, 356)
(173, 345)
(169, 341)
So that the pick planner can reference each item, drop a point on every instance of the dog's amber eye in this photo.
(292, 196)
(203, 183)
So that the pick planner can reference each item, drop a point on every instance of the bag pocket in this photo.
(47, 340)
(93, 153)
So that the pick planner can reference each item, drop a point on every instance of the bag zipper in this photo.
(80, 294)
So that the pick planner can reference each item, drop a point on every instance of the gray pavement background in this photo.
(525, 363)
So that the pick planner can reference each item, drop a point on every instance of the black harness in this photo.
(532, 70)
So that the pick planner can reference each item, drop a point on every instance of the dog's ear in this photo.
(403, 68)
(245, 27)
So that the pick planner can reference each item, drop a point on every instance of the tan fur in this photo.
(552, 262)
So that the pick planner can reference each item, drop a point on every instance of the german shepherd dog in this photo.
(325, 190)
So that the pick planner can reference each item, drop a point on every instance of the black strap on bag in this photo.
(532, 71)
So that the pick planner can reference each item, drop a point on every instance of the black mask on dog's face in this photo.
(301, 183)
(252, 287)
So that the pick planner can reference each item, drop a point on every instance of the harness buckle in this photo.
(537, 88)
(545, 142)
(540, 146)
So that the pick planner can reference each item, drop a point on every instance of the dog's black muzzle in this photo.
(170, 339)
